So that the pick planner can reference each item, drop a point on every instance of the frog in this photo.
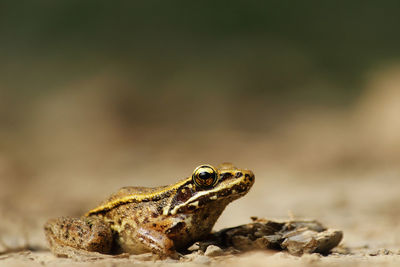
(162, 220)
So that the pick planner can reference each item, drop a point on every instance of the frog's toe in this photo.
(89, 234)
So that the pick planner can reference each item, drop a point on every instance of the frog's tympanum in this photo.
(162, 220)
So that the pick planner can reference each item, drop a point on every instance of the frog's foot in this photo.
(79, 235)
(146, 239)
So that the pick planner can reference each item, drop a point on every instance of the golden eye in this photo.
(205, 176)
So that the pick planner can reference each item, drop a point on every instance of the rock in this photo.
(309, 241)
(296, 236)
(213, 251)
(242, 243)
(194, 247)
(303, 242)
(327, 240)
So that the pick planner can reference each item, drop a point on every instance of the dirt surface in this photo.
(338, 167)
(363, 204)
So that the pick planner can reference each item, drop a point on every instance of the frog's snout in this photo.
(249, 175)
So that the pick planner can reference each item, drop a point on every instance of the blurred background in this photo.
(96, 95)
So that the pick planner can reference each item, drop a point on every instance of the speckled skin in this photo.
(161, 220)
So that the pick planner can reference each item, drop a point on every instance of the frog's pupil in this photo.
(204, 175)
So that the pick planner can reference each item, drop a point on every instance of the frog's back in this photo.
(132, 191)
(128, 194)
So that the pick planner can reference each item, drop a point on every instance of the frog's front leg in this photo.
(86, 234)
(145, 239)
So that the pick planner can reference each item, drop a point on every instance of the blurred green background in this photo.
(274, 50)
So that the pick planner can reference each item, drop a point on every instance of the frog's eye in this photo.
(205, 176)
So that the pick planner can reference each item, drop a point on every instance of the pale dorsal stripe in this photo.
(137, 197)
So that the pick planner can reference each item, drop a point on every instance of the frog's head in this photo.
(210, 185)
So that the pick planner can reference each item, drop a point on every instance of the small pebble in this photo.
(381, 251)
(194, 247)
(213, 251)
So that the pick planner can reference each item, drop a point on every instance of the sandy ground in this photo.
(341, 168)
(364, 204)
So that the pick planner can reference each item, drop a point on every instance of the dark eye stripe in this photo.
(225, 175)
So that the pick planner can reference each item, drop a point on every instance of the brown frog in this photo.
(162, 220)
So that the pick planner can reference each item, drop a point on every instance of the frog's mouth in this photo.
(226, 189)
